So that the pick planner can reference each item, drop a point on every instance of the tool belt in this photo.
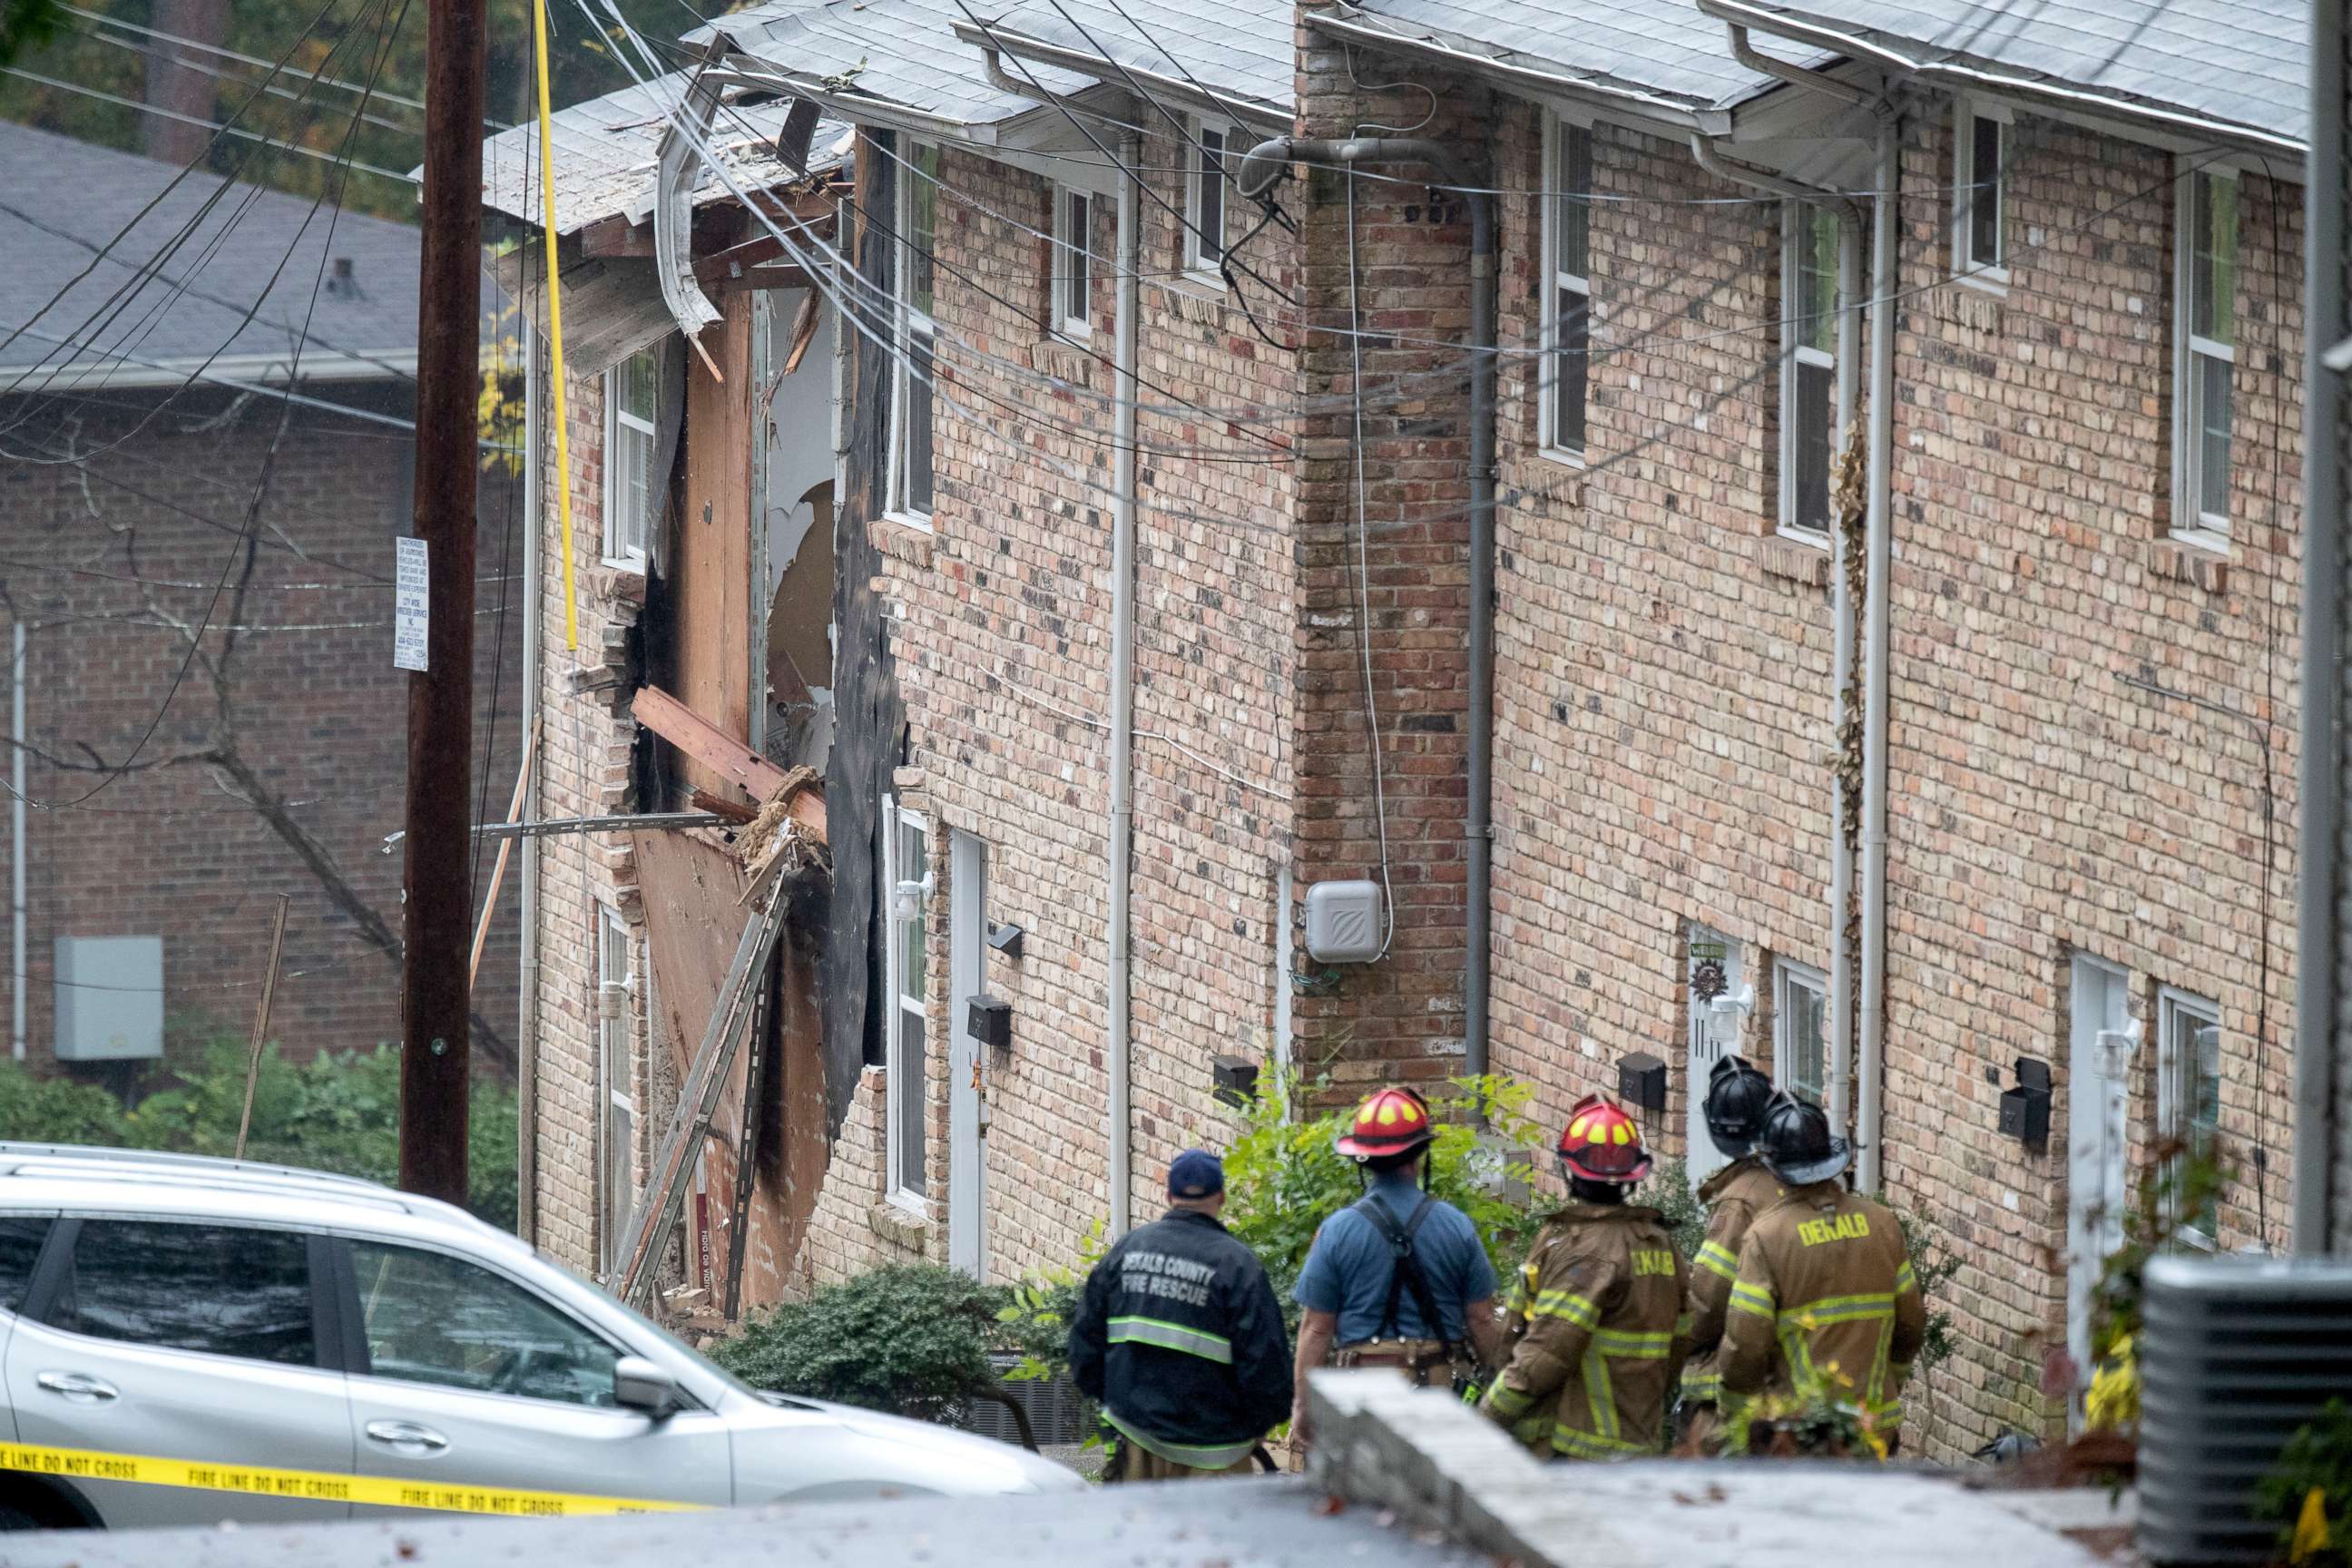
(1418, 1359)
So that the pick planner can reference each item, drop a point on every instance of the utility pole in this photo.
(435, 1054)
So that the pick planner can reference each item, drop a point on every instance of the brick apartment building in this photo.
(142, 409)
(2061, 799)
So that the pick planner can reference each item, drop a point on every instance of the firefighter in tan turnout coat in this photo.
(1736, 1097)
(1826, 1292)
(1596, 1328)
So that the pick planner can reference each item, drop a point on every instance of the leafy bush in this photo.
(910, 1339)
(337, 1112)
(1669, 1192)
(2180, 1185)
(2316, 1459)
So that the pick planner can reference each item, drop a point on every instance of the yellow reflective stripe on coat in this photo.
(321, 1486)
(1717, 1259)
(1628, 1345)
(1579, 1445)
(1842, 1310)
(1581, 1310)
(1703, 1387)
(1170, 1336)
(1755, 1299)
(1905, 1279)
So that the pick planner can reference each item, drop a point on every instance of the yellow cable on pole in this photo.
(554, 319)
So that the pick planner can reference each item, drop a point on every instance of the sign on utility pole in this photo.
(411, 605)
(436, 919)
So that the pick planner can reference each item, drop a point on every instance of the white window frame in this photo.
(1200, 131)
(1795, 223)
(1557, 129)
(617, 1109)
(908, 323)
(2175, 1086)
(1788, 976)
(627, 528)
(1071, 279)
(1967, 268)
(2191, 351)
(908, 1194)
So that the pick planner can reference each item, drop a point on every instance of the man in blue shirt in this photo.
(1381, 1270)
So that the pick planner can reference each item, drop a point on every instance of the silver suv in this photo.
(187, 1341)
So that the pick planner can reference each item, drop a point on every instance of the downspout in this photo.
(2322, 760)
(1259, 169)
(1122, 680)
(527, 895)
(21, 970)
(1849, 374)
(1877, 574)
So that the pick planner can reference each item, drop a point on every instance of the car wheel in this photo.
(15, 1519)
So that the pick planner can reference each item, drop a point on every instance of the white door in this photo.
(470, 1382)
(2100, 1046)
(1714, 1034)
(967, 1099)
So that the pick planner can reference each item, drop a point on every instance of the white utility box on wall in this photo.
(1343, 922)
(110, 998)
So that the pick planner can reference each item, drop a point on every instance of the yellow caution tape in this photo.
(319, 1486)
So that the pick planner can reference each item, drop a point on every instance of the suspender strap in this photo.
(1405, 1274)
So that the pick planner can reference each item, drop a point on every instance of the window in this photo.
(633, 406)
(2190, 1095)
(1980, 145)
(1800, 1055)
(907, 885)
(1568, 299)
(222, 1290)
(615, 991)
(431, 1317)
(910, 425)
(20, 1248)
(1809, 369)
(2205, 316)
(1073, 270)
(1204, 203)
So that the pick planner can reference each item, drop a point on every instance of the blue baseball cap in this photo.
(1195, 1174)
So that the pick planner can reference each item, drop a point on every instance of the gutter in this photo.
(1122, 687)
(1682, 114)
(2320, 828)
(1258, 170)
(21, 969)
(993, 41)
(1849, 367)
(1983, 78)
(527, 892)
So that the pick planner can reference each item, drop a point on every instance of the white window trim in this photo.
(2206, 531)
(615, 419)
(1197, 269)
(1548, 226)
(1993, 278)
(903, 318)
(615, 1082)
(1787, 974)
(2171, 1110)
(895, 1184)
(1791, 280)
(1070, 252)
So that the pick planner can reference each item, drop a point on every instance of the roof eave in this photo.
(1078, 62)
(1682, 114)
(858, 108)
(1986, 77)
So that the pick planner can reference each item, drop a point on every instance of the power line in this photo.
(229, 130)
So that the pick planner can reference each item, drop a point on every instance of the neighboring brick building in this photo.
(2087, 749)
(146, 433)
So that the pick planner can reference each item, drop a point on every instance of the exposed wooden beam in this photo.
(723, 754)
(615, 235)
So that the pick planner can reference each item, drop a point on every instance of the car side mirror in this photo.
(640, 1384)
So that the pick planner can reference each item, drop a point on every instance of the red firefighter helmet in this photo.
(1392, 1120)
(1601, 1143)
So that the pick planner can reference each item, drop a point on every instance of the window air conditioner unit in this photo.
(2235, 1355)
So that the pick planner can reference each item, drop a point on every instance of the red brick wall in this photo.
(318, 709)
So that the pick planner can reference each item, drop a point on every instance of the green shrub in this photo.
(1669, 1192)
(339, 1111)
(2317, 1458)
(911, 1339)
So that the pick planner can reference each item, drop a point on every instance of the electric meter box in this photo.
(1343, 922)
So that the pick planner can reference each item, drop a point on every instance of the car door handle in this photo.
(406, 1435)
(78, 1386)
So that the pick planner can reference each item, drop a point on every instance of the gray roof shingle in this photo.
(605, 149)
(1239, 49)
(2245, 62)
(1666, 48)
(899, 52)
(61, 201)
